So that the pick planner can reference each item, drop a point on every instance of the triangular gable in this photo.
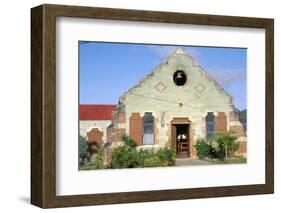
(177, 52)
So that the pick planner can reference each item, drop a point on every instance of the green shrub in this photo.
(120, 157)
(143, 154)
(216, 150)
(221, 147)
(124, 156)
(83, 153)
(99, 161)
(127, 156)
(152, 161)
(203, 149)
(227, 144)
(128, 141)
(166, 156)
(133, 159)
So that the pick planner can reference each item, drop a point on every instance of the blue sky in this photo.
(107, 70)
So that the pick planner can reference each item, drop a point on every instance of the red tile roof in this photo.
(96, 111)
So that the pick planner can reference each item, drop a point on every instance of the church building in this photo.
(173, 106)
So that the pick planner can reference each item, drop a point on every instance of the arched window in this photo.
(210, 125)
(148, 128)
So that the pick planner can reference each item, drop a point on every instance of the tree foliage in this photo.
(221, 147)
(99, 161)
(129, 142)
(227, 142)
(83, 149)
(203, 149)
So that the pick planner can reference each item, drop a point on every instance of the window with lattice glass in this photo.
(148, 128)
(210, 125)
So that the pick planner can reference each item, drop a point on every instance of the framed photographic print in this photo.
(137, 106)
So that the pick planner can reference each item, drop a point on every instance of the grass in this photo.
(87, 167)
(232, 160)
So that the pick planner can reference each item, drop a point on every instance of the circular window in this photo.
(179, 78)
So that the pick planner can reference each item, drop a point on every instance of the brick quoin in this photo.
(238, 129)
(242, 147)
(118, 117)
(233, 116)
(109, 133)
(118, 133)
(121, 117)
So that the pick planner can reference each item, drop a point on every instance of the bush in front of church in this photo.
(221, 147)
(166, 156)
(127, 156)
(152, 161)
(203, 149)
(83, 151)
(227, 142)
(99, 161)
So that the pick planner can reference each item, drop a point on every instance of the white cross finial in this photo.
(180, 51)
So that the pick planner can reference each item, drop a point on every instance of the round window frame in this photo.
(186, 78)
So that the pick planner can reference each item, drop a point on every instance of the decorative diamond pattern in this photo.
(160, 87)
(199, 88)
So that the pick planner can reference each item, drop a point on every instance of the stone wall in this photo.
(237, 127)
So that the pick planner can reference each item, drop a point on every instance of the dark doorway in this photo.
(182, 140)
